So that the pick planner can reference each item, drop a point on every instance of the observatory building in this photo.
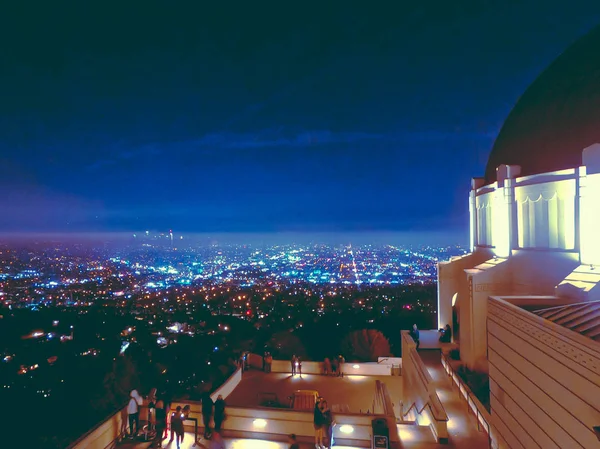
(524, 304)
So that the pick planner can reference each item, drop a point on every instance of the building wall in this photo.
(491, 277)
(539, 212)
(539, 272)
(544, 381)
(452, 280)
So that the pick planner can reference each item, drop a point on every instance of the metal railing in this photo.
(465, 392)
(414, 405)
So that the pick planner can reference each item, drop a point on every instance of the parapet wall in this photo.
(419, 395)
(544, 381)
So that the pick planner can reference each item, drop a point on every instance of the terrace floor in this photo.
(230, 443)
(348, 394)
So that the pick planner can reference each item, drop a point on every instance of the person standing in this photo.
(318, 423)
(414, 333)
(207, 411)
(269, 362)
(219, 413)
(341, 362)
(133, 412)
(334, 366)
(299, 366)
(177, 431)
(327, 366)
(327, 422)
(161, 420)
(294, 364)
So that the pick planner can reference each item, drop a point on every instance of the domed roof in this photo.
(557, 116)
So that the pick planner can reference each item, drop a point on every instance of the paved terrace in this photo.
(348, 394)
(230, 443)
(351, 394)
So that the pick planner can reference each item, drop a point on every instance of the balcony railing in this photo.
(473, 404)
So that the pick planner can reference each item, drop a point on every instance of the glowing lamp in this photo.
(260, 423)
(346, 429)
(356, 366)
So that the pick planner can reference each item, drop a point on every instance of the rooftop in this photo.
(583, 318)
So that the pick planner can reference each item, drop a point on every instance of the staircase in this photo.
(583, 318)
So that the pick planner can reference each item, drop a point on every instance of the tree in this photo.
(286, 344)
(365, 345)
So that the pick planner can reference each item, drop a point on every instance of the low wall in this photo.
(277, 424)
(104, 434)
(115, 427)
(359, 369)
(419, 395)
(544, 380)
(228, 386)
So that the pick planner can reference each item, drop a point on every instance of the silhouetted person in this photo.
(327, 423)
(177, 418)
(414, 333)
(219, 413)
(207, 411)
(318, 423)
(446, 334)
(268, 362)
(341, 362)
(161, 420)
(294, 362)
(327, 366)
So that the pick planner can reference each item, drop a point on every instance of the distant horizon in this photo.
(437, 238)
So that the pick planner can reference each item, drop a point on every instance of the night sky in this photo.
(249, 117)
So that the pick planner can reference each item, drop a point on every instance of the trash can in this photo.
(381, 434)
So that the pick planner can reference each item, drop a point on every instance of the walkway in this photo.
(230, 443)
(462, 425)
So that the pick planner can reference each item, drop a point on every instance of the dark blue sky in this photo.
(317, 117)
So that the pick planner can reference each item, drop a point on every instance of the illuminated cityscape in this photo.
(241, 226)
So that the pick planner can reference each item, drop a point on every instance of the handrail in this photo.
(427, 404)
(478, 416)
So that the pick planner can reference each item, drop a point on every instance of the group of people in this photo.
(323, 422)
(157, 415)
(334, 366)
(267, 362)
(158, 423)
(296, 365)
(445, 335)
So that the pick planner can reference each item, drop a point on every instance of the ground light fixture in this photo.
(356, 366)
(347, 429)
(260, 423)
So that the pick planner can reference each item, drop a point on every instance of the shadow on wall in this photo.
(538, 273)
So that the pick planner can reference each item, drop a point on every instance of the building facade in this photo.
(525, 302)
